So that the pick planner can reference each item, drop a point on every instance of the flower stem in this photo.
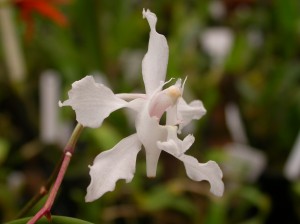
(42, 192)
(70, 147)
(68, 151)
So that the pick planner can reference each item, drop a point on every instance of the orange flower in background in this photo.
(46, 8)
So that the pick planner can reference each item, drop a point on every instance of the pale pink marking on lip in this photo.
(163, 100)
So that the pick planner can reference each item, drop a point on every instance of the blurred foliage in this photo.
(261, 74)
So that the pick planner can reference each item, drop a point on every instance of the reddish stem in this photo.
(69, 149)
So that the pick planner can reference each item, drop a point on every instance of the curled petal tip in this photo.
(146, 12)
(151, 17)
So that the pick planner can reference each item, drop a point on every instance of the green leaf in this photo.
(55, 220)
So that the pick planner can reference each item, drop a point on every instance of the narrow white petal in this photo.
(112, 165)
(154, 65)
(131, 96)
(184, 113)
(187, 142)
(137, 104)
(209, 171)
(174, 145)
(150, 132)
(92, 102)
(172, 117)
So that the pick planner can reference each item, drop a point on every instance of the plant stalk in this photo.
(68, 152)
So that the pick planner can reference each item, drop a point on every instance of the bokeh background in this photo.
(242, 59)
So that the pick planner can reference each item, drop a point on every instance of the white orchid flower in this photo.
(93, 102)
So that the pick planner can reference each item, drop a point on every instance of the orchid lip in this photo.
(163, 100)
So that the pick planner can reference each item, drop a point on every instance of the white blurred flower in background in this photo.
(217, 43)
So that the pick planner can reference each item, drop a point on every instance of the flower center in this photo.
(163, 100)
(174, 92)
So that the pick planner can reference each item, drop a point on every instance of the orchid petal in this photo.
(149, 132)
(112, 165)
(209, 171)
(184, 113)
(137, 104)
(154, 65)
(92, 102)
(174, 145)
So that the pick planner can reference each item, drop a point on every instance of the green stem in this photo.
(70, 147)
